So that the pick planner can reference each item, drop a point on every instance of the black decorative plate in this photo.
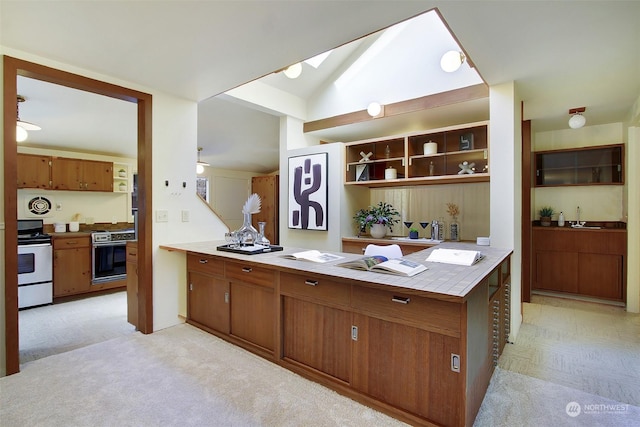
(250, 250)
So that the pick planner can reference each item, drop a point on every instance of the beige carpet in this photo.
(179, 376)
(183, 376)
(62, 327)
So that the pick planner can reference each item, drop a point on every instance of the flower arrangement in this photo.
(453, 210)
(382, 213)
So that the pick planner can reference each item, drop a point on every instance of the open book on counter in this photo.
(313, 255)
(381, 264)
(455, 256)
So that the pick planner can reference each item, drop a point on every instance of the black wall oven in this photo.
(109, 255)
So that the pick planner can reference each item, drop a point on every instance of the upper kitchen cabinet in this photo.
(84, 175)
(34, 171)
(455, 154)
(580, 166)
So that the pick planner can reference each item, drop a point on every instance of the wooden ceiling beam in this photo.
(442, 99)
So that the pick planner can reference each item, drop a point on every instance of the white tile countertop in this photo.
(441, 281)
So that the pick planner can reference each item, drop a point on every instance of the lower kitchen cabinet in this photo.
(253, 314)
(407, 367)
(208, 294)
(71, 265)
(586, 262)
(132, 283)
(208, 301)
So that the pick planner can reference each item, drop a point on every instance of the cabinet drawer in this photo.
(71, 242)
(251, 274)
(206, 264)
(132, 253)
(319, 289)
(426, 313)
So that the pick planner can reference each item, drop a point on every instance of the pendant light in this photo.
(21, 126)
(200, 164)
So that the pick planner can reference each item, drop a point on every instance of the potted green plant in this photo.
(413, 233)
(378, 218)
(546, 212)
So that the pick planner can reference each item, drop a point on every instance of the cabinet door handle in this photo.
(401, 300)
(311, 282)
(73, 242)
(226, 297)
(204, 261)
(354, 333)
(246, 269)
(190, 286)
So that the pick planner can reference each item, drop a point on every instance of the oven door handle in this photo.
(37, 245)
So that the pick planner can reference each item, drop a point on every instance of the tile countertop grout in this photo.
(450, 282)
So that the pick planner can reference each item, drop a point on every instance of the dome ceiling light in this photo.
(577, 120)
(21, 126)
(293, 71)
(452, 60)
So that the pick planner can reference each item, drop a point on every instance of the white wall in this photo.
(294, 143)
(506, 186)
(174, 157)
(633, 226)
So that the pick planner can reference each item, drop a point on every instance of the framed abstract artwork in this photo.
(308, 191)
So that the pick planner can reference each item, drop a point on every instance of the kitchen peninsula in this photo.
(421, 349)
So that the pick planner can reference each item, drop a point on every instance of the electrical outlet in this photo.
(58, 206)
(185, 216)
(162, 215)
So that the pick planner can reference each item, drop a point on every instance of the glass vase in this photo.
(262, 239)
(247, 234)
(454, 231)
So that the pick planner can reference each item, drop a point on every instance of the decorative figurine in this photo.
(466, 167)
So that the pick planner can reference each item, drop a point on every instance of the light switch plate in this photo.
(162, 215)
(185, 216)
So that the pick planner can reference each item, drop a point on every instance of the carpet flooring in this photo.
(573, 364)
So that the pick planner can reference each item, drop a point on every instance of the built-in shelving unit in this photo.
(461, 155)
(121, 175)
(580, 166)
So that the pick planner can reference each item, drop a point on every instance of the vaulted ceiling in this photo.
(560, 54)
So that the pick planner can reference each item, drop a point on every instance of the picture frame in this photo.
(308, 192)
(466, 141)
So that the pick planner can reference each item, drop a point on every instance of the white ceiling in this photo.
(561, 54)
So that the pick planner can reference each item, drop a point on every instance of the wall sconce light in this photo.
(293, 71)
(452, 60)
(577, 120)
(200, 164)
(374, 109)
(21, 126)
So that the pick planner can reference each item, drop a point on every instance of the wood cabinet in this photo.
(316, 323)
(132, 283)
(416, 166)
(81, 175)
(580, 166)
(580, 261)
(252, 304)
(71, 265)
(403, 358)
(423, 359)
(357, 245)
(267, 187)
(208, 295)
(34, 171)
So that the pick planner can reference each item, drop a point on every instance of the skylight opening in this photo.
(369, 54)
(317, 60)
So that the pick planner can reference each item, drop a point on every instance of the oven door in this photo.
(109, 262)
(35, 264)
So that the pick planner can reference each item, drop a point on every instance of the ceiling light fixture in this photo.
(23, 127)
(374, 109)
(577, 120)
(200, 164)
(293, 71)
(452, 60)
